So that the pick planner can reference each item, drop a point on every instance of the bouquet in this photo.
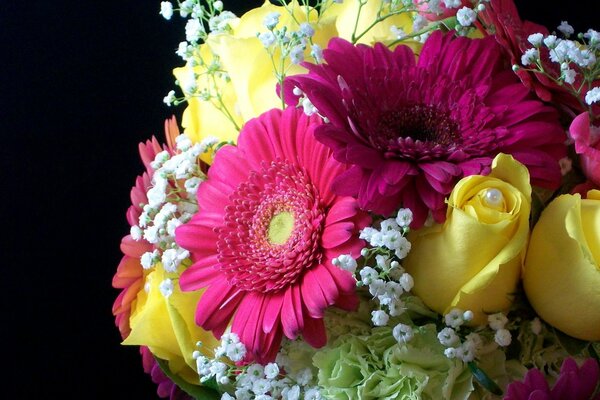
(370, 199)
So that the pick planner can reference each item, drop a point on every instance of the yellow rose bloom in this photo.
(250, 88)
(166, 326)
(473, 260)
(346, 23)
(561, 276)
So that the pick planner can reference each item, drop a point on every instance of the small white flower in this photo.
(403, 248)
(377, 287)
(312, 394)
(191, 185)
(136, 233)
(271, 371)
(170, 98)
(452, 3)
(569, 75)
(398, 33)
(148, 259)
(308, 107)
(388, 225)
(297, 54)
(536, 326)
(535, 39)
(379, 318)
(261, 386)
(345, 262)
(193, 30)
(367, 233)
(466, 16)
(448, 337)
(227, 396)
(267, 39)
(396, 308)
(218, 5)
(404, 217)
(530, 56)
(271, 20)
(474, 339)
(592, 96)
(465, 352)
(503, 337)
(454, 318)
(292, 393)
(403, 333)
(593, 36)
(316, 52)
(166, 287)
(166, 9)
(304, 376)
(450, 352)
(407, 282)
(419, 22)
(497, 321)
(185, 8)
(255, 371)
(306, 29)
(151, 234)
(368, 275)
(566, 29)
(550, 41)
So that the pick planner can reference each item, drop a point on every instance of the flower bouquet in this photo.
(370, 199)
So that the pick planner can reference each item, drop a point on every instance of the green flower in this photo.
(375, 366)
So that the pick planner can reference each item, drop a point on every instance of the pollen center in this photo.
(281, 227)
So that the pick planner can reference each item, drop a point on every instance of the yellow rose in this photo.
(561, 276)
(473, 260)
(167, 326)
(251, 87)
(347, 25)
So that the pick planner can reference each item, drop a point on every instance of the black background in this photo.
(81, 85)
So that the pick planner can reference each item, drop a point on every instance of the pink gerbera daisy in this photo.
(267, 229)
(410, 130)
(573, 383)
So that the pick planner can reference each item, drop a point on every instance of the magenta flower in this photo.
(574, 383)
(410, 130)
(587, 145)
(266, 232)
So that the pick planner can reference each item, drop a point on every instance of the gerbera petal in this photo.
(314, 332)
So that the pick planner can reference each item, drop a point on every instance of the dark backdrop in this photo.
(81, 85)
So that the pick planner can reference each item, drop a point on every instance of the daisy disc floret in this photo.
(411, 129)
(265, 235)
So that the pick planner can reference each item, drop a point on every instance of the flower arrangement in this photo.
(370, 199)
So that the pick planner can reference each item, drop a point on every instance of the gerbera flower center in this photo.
(281, 227)
(272, 229)
(420, 122)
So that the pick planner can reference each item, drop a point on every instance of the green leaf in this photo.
(573, 346)
(484, 380)
(196, 391)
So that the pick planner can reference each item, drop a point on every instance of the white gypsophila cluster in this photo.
(382, 273)
(275, 380)
(592, 96)
(171, 203)
(577, 59)
(466, 16)
(465, 350)
(498, 323)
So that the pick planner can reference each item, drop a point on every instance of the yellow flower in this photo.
(473, 260)
(561, 276)
(346, 23)
(166, 325)
(250, 88)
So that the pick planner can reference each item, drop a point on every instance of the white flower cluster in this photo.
(386, 280)
(171, 202)
(449, 336)
(498, 323)
(287, 43)
(577, 58)
(255, 381)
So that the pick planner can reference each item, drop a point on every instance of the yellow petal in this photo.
(561, 274)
